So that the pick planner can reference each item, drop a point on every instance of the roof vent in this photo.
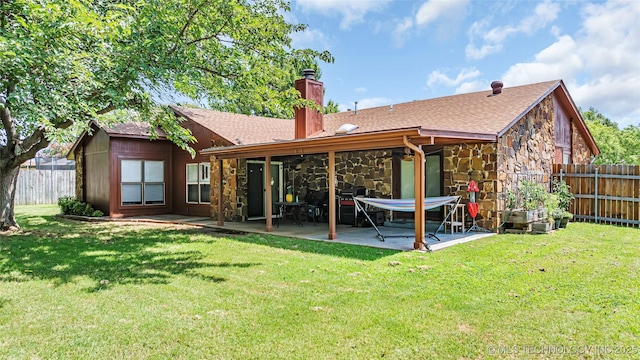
(391, 107)
(346, 128)
(309, 74)
(355, 111)
(496, 86)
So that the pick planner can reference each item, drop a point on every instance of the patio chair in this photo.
(276, 215)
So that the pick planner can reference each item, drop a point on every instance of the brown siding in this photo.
(122, 148)
(96, 171)
(181, 158)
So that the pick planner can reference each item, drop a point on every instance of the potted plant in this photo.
(563, 192)
(533, 197)
(557, 214)
(566, 216)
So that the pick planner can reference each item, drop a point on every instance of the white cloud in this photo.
(560, 60)
(492, 39)
(428, 13)
(310, 38)
(606, 49)
(433, 10)
(400, 32)
(361, 89)
(437, 77)
(472, 86)
(352, 12)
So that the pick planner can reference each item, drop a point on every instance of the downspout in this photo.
(418, 183)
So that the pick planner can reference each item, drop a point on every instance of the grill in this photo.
(347, 207)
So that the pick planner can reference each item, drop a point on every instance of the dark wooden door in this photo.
(255, 179)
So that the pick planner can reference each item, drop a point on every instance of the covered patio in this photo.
(400, 238)
(410, 138)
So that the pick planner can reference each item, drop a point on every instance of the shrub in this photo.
(533, 194)
(65, 203)
(563, 191)
(97, 213)
(71, 206)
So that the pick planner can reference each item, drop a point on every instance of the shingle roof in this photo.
(132, 129)
(469, 113)
(241, 129)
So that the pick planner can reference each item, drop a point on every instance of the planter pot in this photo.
(563, 222)
(524, 217)
(541, 228)
(557, 223)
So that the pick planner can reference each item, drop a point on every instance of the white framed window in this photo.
(198, 183)
(142, 182)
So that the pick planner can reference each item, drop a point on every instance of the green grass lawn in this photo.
(76, 290)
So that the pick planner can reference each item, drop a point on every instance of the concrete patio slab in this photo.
(395, 238)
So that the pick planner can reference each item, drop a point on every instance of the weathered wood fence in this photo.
(607, 194)
(44, 186)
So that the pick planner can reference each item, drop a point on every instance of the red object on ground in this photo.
(472, 207)
(473, 186)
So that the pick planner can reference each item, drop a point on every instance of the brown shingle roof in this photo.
(475, 113)
(241, 129)
(132, 129)
(471, 113)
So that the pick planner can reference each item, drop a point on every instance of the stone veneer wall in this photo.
(478, 162)
(580, 152)
(231, 174)
(371, 169)
(527, 149)
(79, 155)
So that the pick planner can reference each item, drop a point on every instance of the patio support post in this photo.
(220, 193)
(418, 182)
(269, 195)
(332, 196)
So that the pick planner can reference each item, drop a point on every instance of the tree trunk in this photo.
(8, 182)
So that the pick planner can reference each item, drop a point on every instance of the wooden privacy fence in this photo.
(603, 193)
(44, 186)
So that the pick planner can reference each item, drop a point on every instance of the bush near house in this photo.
(72, 206)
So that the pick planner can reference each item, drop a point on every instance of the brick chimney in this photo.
(309, 121)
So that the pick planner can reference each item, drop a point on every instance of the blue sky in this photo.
(393, 51)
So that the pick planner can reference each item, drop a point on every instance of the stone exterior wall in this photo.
(527, 150)
(230, 201)
(79, 155)
(580, 152)
(371, 169)
(478, 162)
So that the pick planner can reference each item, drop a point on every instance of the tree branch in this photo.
(107, 109)
(215, 33)
(186, 25)
(7, 121)
(29, 154)
(213, 72)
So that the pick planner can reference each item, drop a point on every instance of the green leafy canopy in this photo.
(67, 62)
(616, 146)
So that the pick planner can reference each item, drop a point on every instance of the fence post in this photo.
(596, 196)
(561, 173)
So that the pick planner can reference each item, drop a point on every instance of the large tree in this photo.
(616, 146)
(65, 62)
